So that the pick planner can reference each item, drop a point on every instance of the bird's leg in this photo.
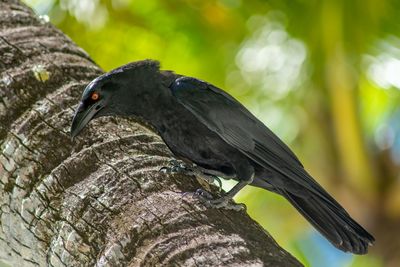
(209, 178)
(224, 202)
(177, 166)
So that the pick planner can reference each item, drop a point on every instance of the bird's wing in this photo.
(224, 115)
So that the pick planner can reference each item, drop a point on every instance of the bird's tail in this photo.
(329, 218)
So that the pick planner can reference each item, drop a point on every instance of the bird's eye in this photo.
(95, 96)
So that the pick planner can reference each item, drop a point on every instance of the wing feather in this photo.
(224, 115)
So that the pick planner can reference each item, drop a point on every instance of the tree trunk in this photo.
(100, 199)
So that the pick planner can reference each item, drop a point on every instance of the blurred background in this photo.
(322, 74)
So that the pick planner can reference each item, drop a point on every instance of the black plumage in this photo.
(204, 125)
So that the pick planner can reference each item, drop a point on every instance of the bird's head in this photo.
(122, 91)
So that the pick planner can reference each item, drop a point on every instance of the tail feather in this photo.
(317, 206)
(332, 221)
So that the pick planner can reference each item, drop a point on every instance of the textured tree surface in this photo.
(100, 199)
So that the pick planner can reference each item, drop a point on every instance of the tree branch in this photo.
(101, 199)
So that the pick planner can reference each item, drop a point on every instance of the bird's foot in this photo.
(208, 178)
(175, 166)
(223, 202)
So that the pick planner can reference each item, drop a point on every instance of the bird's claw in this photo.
(219, 203)
(175, 166)
(211, 179)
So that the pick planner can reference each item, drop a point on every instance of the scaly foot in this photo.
(223, 202)
(177, 166)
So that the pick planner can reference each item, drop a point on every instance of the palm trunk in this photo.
(100, 199)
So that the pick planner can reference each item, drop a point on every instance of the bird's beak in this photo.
(82, 117)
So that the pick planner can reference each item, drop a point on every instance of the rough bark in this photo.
(100, 199)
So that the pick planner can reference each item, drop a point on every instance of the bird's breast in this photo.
(195, 142)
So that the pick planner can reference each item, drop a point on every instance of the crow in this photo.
(207, 127)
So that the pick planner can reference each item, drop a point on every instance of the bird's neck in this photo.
(157, 103)
(154, 108)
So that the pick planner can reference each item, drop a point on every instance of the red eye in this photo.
(95, 96)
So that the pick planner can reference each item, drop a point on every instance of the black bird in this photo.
(204, 125)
